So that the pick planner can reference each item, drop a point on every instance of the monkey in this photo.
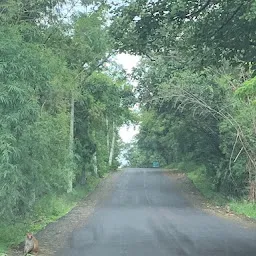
(31, 244)
(228, 210)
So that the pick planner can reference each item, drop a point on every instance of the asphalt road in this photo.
(147, 215)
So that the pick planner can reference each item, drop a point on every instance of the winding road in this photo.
(146, 214)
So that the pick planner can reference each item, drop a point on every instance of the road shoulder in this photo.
(193, 195)
(56, 235)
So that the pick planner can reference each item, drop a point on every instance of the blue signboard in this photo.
(156, 164)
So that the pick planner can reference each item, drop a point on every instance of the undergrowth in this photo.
(205, 186)
(46, 210)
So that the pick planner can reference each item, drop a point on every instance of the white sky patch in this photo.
(128, 62)
(127, 132)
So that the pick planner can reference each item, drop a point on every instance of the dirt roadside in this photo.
(199, 201)
(57, 233)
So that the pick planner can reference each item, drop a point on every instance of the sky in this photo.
(128, 62)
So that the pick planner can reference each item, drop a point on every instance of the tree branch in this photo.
(64, 17)
(199, 10)
(88, 74)
(230, 18)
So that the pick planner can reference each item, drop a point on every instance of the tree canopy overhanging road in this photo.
(63, 99)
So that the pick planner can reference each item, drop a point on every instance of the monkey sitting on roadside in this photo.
(31, 244)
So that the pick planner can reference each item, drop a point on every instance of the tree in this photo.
(51, 102)
(33, 121)
(187, 85)
(206, 30)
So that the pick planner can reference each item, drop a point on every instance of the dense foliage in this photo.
(60, 106)
(196, 86)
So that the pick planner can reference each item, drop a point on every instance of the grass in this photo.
(244, 208)
(205, 186)
(46, 210)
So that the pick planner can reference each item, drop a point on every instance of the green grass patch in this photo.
(244, 208)
(182, 167)
(46, 210)
(206, 186)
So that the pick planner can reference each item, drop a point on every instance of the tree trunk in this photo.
(32, 197)
(107, 134)
(95, 167)
(71, 142)
(111, 153)
(83, 176)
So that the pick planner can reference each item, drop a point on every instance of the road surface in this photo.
(147, 215)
